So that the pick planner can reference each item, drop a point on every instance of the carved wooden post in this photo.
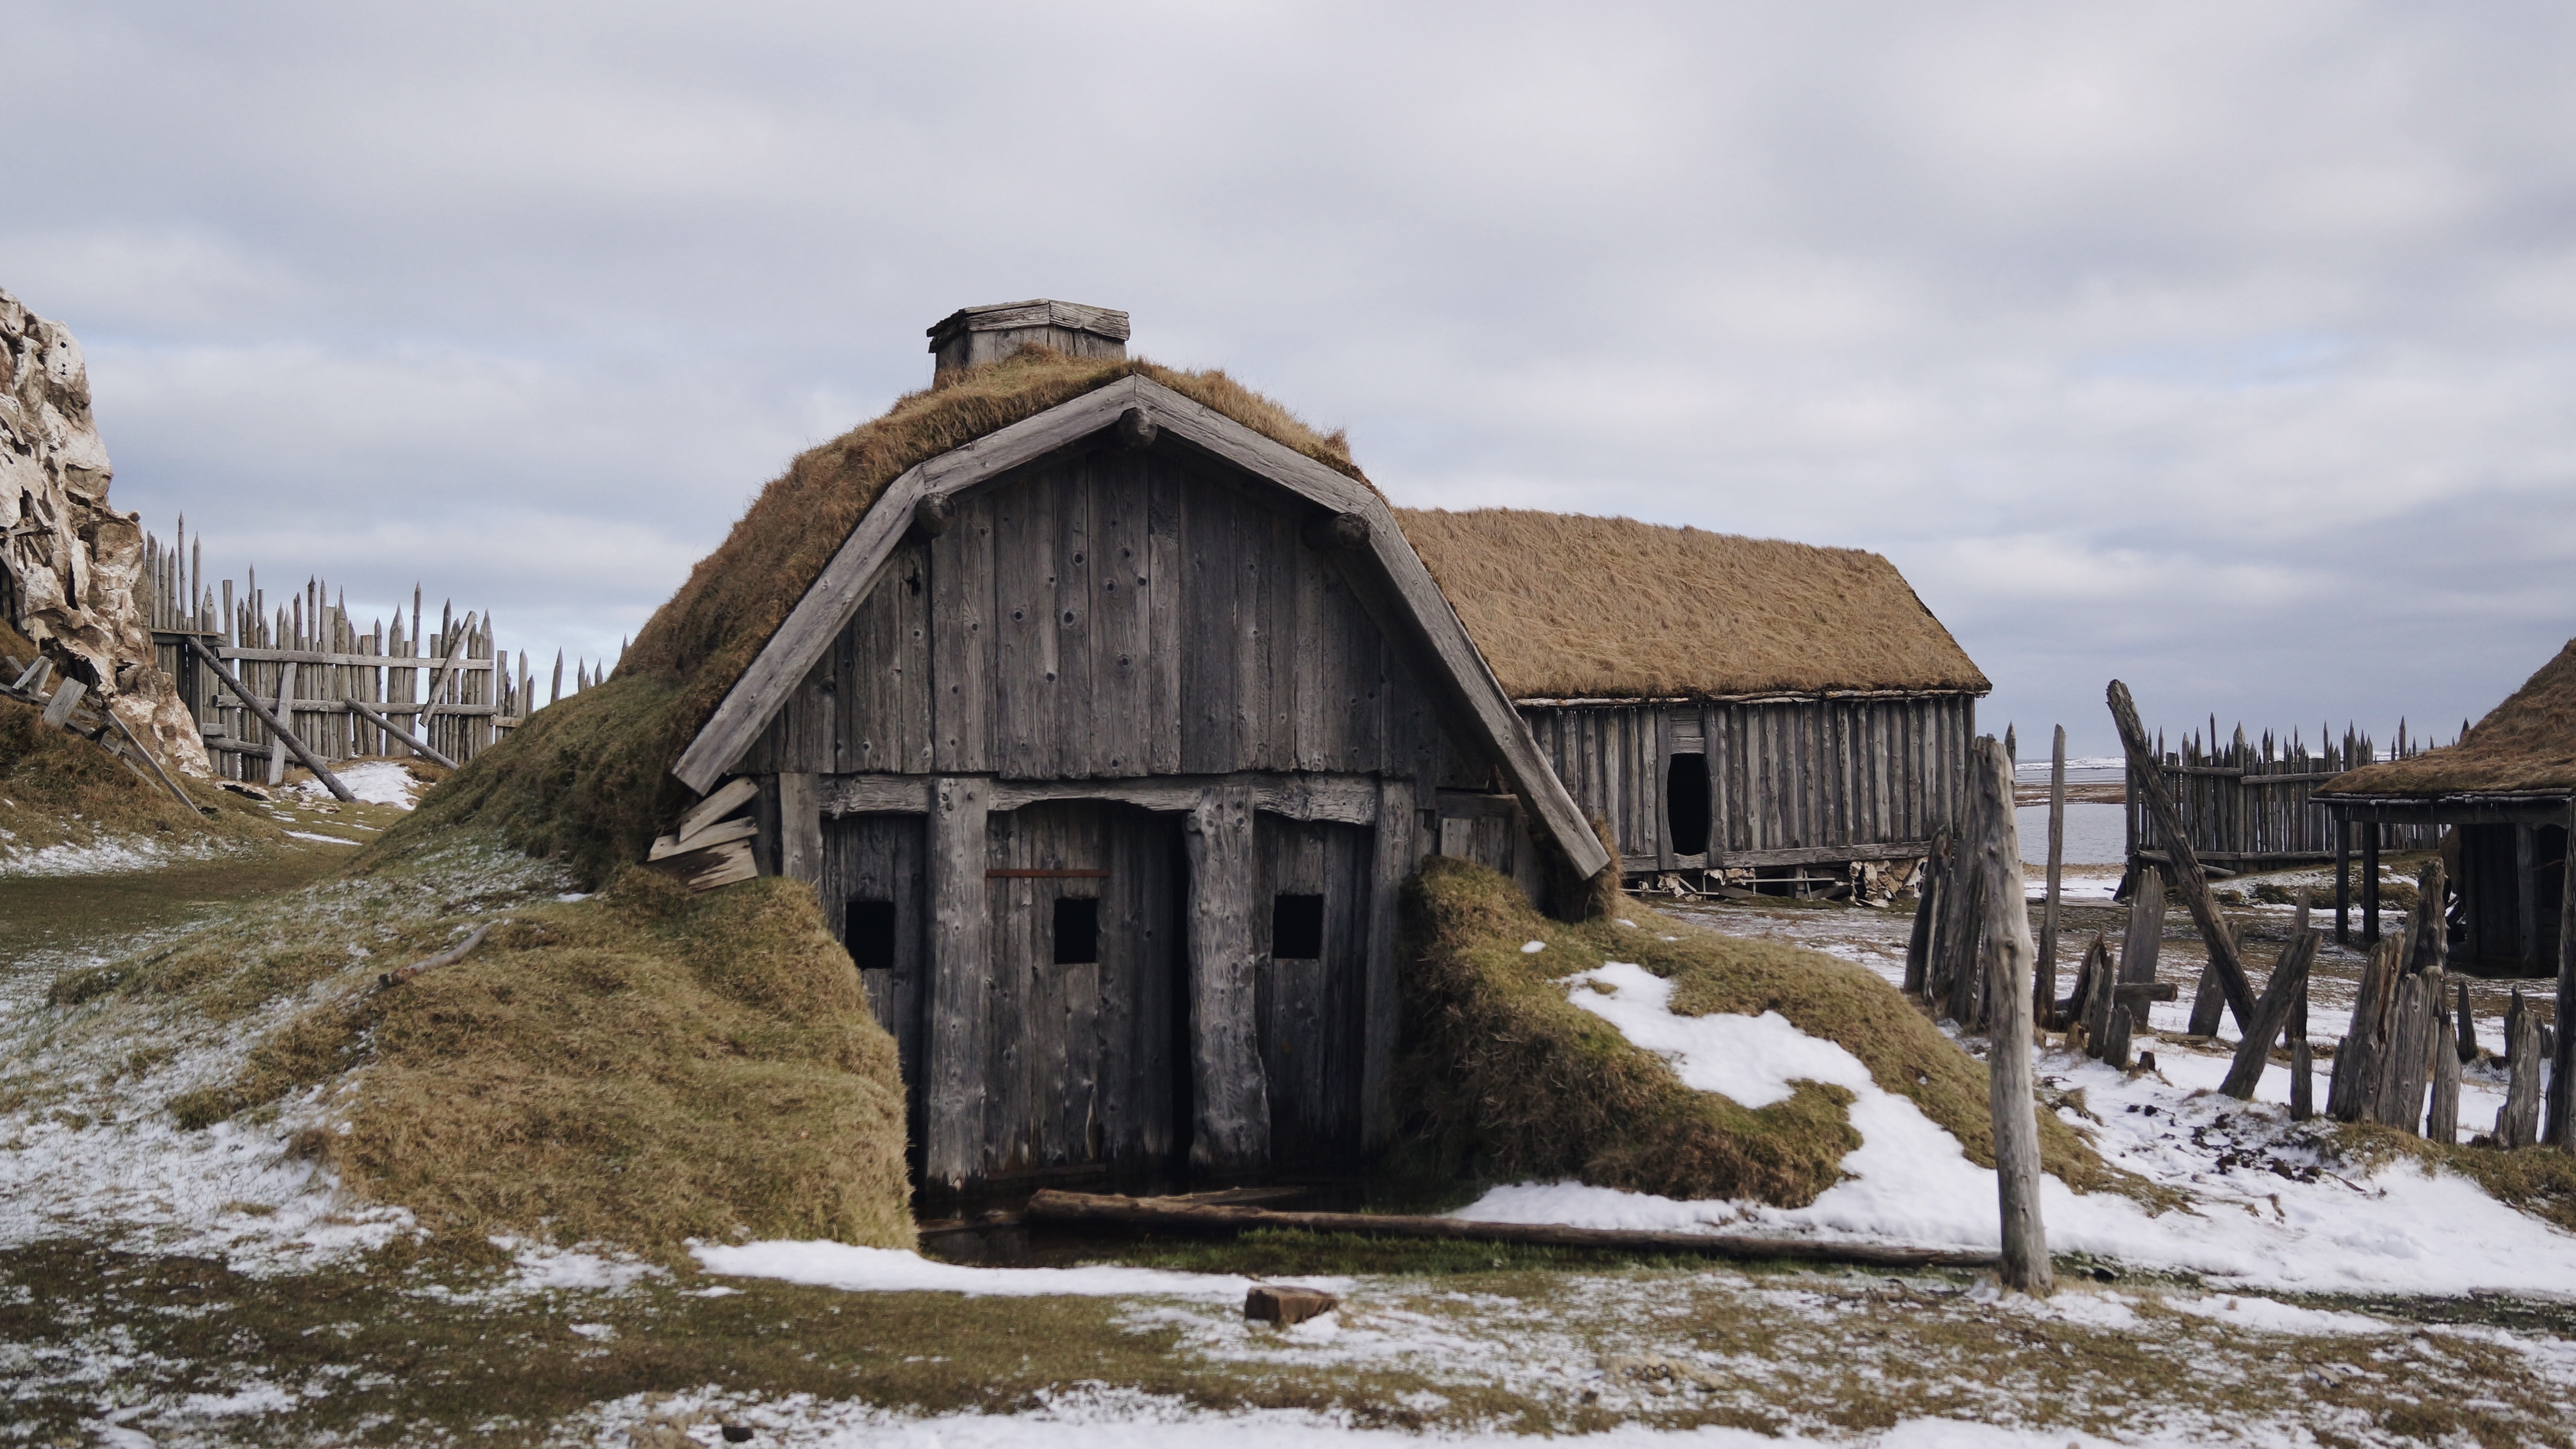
(2008, 1080)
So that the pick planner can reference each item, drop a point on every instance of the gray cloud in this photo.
(2225, 350)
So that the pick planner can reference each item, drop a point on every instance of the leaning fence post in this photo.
(276, 726)
(2008, 1051)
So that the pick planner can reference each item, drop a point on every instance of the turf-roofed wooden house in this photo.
(1107, 737)
(1737, 710)
(2504, 791)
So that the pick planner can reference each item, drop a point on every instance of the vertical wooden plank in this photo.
(1395, 850)
(961, 668)
(960, 968)
(1077, 752)
(1122, 664)
(800, 831)
(1210, 637)
(1165, 583)
(1232, 1130)
(1265, 545)
(1025, 635)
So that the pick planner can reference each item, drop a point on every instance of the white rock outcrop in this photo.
(69, 563)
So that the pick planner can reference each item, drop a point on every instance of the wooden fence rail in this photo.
(335, 685)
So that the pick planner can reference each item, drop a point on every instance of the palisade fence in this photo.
(442, 682)
(2247, 805)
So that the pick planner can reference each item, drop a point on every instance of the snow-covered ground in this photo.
(2267, 1209)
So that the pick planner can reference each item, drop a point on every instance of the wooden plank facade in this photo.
(1109, 774)
(1768, 784)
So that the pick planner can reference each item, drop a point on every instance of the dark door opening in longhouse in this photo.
(872, 867)
(1686, 804)
(1312, 945)
(1085, 1061)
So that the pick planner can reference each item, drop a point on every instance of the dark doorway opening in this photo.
(1686, 804)
(1296, 928)
(1077, 931)
(868, 929)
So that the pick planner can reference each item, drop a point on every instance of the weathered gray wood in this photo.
(2518, 1123)
(2562, 1082)
(2148, 774)
(158, 773)
(2116, 1038)
(418, 746)
(67, 695)
(261, 712)
(1232, 1130)
(2208, 1003)
(800, 830)
(731, 796)
(2442, 1123)
(2407, 1063)
(1396, 852)
(2044, 984)
(2303, 1102)
(2144, 941)
(1188, 1215)
(715, 833)
(1918, 941)
(2271, 1016)
(286, 711)
(2025, 1263)
(960, 969)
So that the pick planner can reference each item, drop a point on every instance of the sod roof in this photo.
(2526, 744)
(1571, 606)
(589, 779)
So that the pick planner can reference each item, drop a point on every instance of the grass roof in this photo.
(2527, 743)
(588, 779)
(1566, 605)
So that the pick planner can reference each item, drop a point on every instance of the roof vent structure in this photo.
(972, 336)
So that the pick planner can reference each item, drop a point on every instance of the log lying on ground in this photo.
(448, 957)
(1184, 1215)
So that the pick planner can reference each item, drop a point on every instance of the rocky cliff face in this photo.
(68, 562)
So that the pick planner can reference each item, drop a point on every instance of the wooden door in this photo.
(1310, 926)
(1086, 1007)
(872, 893)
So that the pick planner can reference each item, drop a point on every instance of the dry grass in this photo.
(61, 788)
(2526, 743)
(1507, 1078)
(595, 788)
(643, 1067)
(1570, 606)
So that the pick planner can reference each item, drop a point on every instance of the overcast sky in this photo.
(2228, 349)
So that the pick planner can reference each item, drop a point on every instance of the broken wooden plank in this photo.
(58, 710)
(739, 828)
(728, 797)
(2271, 1016)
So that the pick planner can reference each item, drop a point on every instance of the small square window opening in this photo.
(1296, 928)
(1077, 931)
(867, 928)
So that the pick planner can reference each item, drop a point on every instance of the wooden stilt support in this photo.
(2008, 1056)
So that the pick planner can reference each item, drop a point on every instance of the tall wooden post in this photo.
(2044, 986)
(2562, 1091)
(2343, 881)
(1232, 1133)
(2183, 862)
(1398, 851)
(2008, 1080)
(961, 975)
(2370, 883)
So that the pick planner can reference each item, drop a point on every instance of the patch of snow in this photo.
(2265, 1211)
(890, 1270)
(1532, 948)
(322, 839)
(377, 782)
(107, 855)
